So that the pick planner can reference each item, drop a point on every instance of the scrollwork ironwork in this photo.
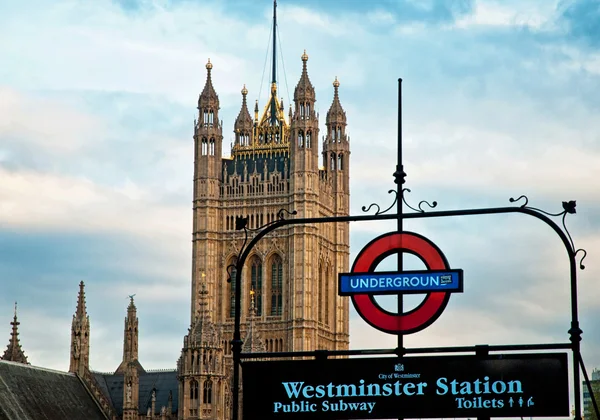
(281, 213)
(378, 211)
(229, 269)
(569, 207)
(419, 208)
(581, 266)
(241, 223)
(521, 197)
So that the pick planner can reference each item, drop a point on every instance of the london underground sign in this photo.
(383, 283)
(438, 281)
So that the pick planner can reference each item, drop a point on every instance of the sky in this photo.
(97, 104)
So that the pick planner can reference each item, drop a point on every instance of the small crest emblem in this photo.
(399, 367)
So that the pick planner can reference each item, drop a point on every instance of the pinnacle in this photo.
(13, 352)
(209, 96)
(304, 89)
(336, 112)
(81, 309)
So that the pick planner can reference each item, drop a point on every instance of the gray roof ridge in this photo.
(23, 365)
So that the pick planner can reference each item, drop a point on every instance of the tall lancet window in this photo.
(308, 139)
(193, 390)
(340, 162)
(328, 278)
(207, 392)
(321, 292)
(232, 292)
(276, 284)
(204, 146)
(256, 284)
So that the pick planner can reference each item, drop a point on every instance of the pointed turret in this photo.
(201, 367)
(204, 332)
(243, 123)
(130, 339)
(336, 153)
(14, 352)
(336, 116)
(304, 91)
(80, 336)
(253, 342)
(208, 98)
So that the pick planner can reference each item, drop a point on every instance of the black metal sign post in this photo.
(418, 212)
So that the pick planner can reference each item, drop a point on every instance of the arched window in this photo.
(212, 147)
(332, 161)
(327, 279)
(307, 110)
(300, 139)
(193, 389)
(340, 162)
(211, 117)
(204, 146)
(276, 283)
(207, 392)
(308, 139)
(256, 284)
(205, 120)
(339, 134)
(232, 291)
(321, 296)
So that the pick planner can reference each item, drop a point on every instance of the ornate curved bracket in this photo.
(419, 208)
(230, 269)
(569, 207)
(378, 211)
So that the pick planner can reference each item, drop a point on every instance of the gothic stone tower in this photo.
(292, 273)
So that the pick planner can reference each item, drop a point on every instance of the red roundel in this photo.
(428, 311)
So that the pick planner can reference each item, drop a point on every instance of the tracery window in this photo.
(193, 389)
(232, 291)
(276, 285)
(207, 392)
(256, 284)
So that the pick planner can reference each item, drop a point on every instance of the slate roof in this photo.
(33, 393)
(162, 381)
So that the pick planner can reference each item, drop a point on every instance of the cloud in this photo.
(580, 18)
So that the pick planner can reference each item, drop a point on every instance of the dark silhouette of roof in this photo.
(163, 382)
(31, 393)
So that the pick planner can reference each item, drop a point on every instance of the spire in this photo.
(253, 342)
(243, 123)
(81, 310)
(14, 353)
(130, 339)
(204, 332)
(304, 91)
(208, 98)
(274, 69)
(80, 335)
(336, 114)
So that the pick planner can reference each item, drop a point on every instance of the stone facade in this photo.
(291, 274)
